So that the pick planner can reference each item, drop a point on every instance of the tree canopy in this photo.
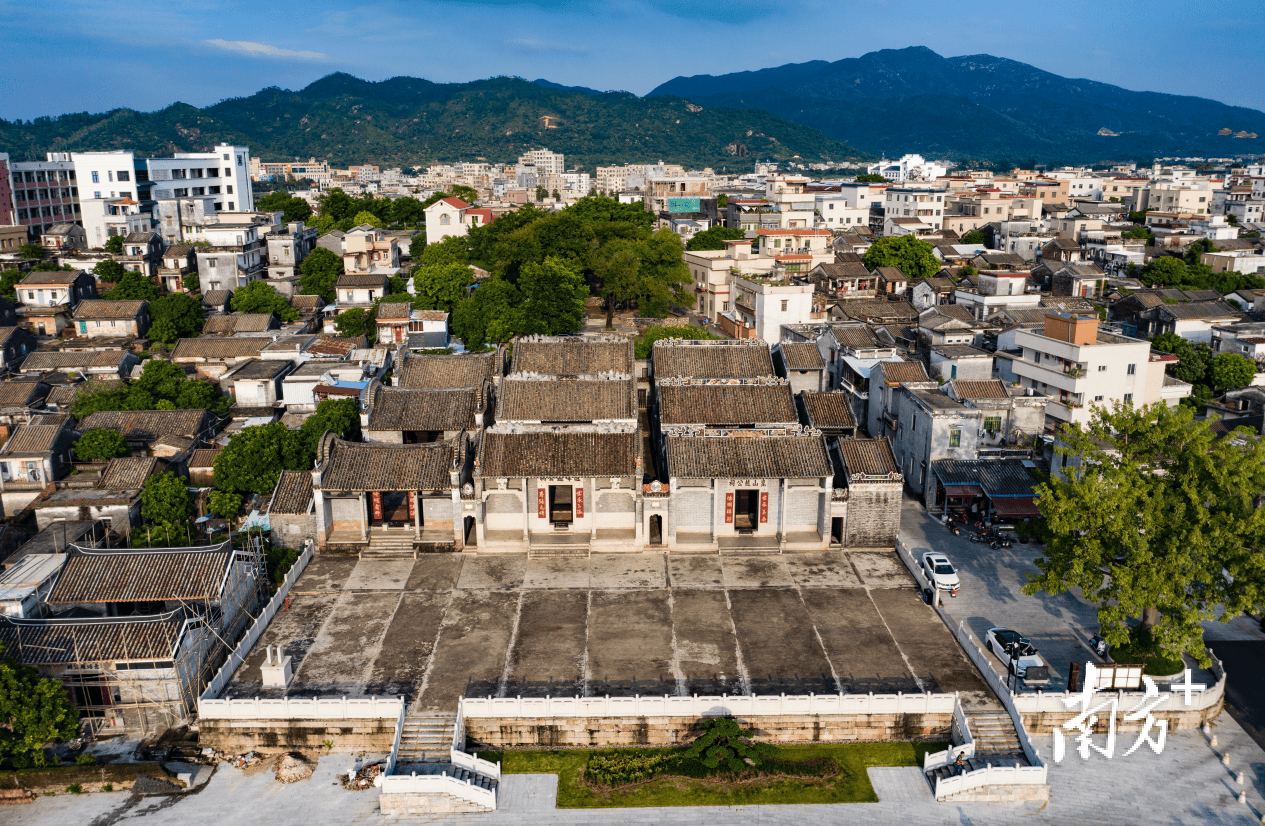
(114, 245)
(165, 499)
(254, 459)
(974, 237)
(262, 297)
(715, 238)
(1156, 520)
(441, 286)
(295, 208)
(1230, 371)
(161, 386)
(644, 343)
(553, 298)
(912, 256)
(108, 270)
(101, 444)
(320, 271)
(133, 286)
(871, 179)
(178, 315)
(37, 250)
(1172, 271)
(33, 711)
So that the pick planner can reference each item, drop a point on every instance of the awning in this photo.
(862, 367)
(963, 490)
(1015, 506)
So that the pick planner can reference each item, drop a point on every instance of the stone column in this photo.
(417, 515)
(364, 512)
(781, 512)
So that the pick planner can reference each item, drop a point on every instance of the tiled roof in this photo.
(856, 336)
(178, 251)
(216, 298)
(361, 280)
(394, 408)
(711, 361)
(1022, 315)
(369, 466)
(747, 457)
(881, 310)
(49, 360)
(958, 312)
(141, 576)
(559, 454)
(1003, 260)
(572, 356)
(566, 400)
(844, 269)
(128, 473)
(394, 311)
(891, 274)
(1201, 309)
(868, 457)
(146, 425)
(218, 348)
(997, 477)
(802, 355)
(829, 410)
(37, 438)
(895, 372)
(20, 393)
(726, 404)
(108, 639)
(203, 457)
(139, 237)
(990, 389)
(293, 495)
(238, 323)
(447, 371)
(63, 395)
(335, 345)
(102, 308)
(307, 303)
(59, 278)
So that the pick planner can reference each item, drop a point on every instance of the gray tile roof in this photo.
(567, 400)
(726, 404)
(514, 455)
(759, 457)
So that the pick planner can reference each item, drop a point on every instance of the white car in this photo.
(1007, 645)
(938, 569)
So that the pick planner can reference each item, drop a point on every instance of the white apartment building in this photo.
(909, 167)
(450, 217)
(236, 255)
(925, 201)
(112, 186)
(1187, 197)
(835, 212)
(761, 305)
(222, 175)
(546, 162)
(1078, 365)
(793, 201)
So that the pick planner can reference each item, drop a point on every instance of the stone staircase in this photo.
(557, 546)
(426, 739)
(462, 774)
(996, 743)
(389, 546)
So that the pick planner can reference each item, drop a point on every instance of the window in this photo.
(1133, 369)
(1128, 398)
(124, 175)
(227, 172)
(110, 175)
(992, 423)
(96, 195)
(229, 190)
(213, 173)
(955, 438)
(785, 305)
(1097, 398)
(1102, 367)
(96, 179)
(212, 262)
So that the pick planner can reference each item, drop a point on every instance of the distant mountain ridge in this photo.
(913, 100)
(407, 121)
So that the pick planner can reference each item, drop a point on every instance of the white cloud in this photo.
(264, 50)
(536, 45)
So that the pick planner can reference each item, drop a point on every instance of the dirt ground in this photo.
(448, 625)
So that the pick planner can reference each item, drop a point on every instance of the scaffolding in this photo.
(107, 663)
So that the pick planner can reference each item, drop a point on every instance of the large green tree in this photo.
(492, 313)
(442, 286)
(912, 256)
(1157, 519)
(133, 286)
(114, 245)
(9, 284)
(109, 270)
(262, 297)
(34, 710)
(37, 251)
(1230, 371)
(101, 444)
(354, 322)
(320, 269)
(553, 297)
(1195, 359)
(715, 238)
(253, 460)
(295, 208)
(161, 385)
(165, 499)
(179, 314)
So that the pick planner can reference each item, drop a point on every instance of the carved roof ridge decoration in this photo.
(689, 381)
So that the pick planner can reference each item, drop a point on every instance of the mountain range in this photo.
(979, 106)
(406, 121)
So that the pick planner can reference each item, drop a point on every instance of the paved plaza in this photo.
(448, 625)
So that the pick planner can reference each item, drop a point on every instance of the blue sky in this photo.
(94, 55)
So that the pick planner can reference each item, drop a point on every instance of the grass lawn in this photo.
(850, 785)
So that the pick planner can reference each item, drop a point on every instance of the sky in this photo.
(96, 55)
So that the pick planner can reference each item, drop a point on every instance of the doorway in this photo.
(746, 509)
(471, 535)
(560, 512)
(396, 512)
(421, 437)
(836, 530)
(656, 529)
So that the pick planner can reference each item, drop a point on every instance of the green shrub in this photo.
(1144, 650)
(108, 787)
(75, 788)
(628, 767)
(86, 759)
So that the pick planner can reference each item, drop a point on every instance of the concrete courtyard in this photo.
(448, 625)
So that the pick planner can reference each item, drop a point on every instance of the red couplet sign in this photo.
(376, 499)
(579, 502)
(764, 506)
(412, 504)
(540, 502)
(729, 507)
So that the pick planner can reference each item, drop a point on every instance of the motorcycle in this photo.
(953, 527)
(980, 536)
(1099, 645)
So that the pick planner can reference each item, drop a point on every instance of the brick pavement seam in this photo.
(371, 655)
(503, 687)
(430, 661)
(744, 680)
(834, 675)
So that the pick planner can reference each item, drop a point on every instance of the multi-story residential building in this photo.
(222, 175)
(793, 200)
(286, 249)
(115, 194)
(676, 194)
(450, 217)
(846, 206)
(760, 305)
(312, 169)
(545, 162)
(234, 257)
(1242, 261)
(967, 211)
(1079, 365)
(42, 193)
(925, 201)
(909, 167)
(142, 253)
(370, 250)
(1185, 197)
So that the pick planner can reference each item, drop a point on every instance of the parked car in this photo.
(938, 570)
(1009, 645)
